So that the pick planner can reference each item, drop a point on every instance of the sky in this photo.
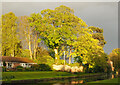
(99, 14)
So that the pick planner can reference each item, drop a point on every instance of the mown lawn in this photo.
(38, 75)
(34, 75)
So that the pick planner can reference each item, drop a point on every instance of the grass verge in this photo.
(39, 75)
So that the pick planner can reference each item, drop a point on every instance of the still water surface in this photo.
(74, 81)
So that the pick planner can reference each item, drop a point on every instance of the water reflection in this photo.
(77, 82)
(74, 81)
(112, 76)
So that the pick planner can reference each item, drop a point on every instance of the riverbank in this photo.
(30, 77)
(115, 80)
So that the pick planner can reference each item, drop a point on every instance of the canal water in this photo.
(74, 81)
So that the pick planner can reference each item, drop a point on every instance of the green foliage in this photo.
(87, 48)
(4, 69)
(35, 67)
(98, 34)
(61, 31)
(28, 34)
(52, 53)
(101, 61)
(61, 27)
(44, 67)
(43, 57)
(18, 49)
(9, 34)
(78, 59)
(25, 53)
(19, 68)
(41, 67)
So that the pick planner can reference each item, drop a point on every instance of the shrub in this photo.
(44, 67)
(40, 67)
(3, 69)
(35, 67)
(27, 69)
(19, 68)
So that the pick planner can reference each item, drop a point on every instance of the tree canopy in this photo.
(59, 29)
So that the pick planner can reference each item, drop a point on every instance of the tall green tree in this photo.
(26, 32)
(9, 34)
(35, 21)
(60, 24)
(87, 48)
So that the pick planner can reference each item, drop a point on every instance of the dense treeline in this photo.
(60, 30)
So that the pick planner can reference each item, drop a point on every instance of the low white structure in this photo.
(12, 62)
(68, 68)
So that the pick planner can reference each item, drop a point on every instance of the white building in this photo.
(12, 62)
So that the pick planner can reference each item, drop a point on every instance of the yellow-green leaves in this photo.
(9, 34)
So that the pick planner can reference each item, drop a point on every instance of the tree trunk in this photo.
(13, 52)
(70, 56)
(56, 55)
(34, 50)
(30, 48)
(35, 46)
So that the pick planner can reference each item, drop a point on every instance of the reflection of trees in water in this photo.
(74, 81)
(77, 82)
(111, 76)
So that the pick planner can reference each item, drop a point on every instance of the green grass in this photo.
(39, 75)
(115, 80)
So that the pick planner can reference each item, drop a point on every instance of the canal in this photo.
(73, 81)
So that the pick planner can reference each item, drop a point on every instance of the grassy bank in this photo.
(115, 80)
(39, 75)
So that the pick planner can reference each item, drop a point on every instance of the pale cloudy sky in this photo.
(99, 14)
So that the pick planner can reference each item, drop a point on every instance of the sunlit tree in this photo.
(9, 34)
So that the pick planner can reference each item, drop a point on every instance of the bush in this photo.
(3, 68)
(27, 69)
(44, 67)
(19, 68)
(40, 67)
(35, 67)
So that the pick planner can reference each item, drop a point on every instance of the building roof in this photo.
(15, 59)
